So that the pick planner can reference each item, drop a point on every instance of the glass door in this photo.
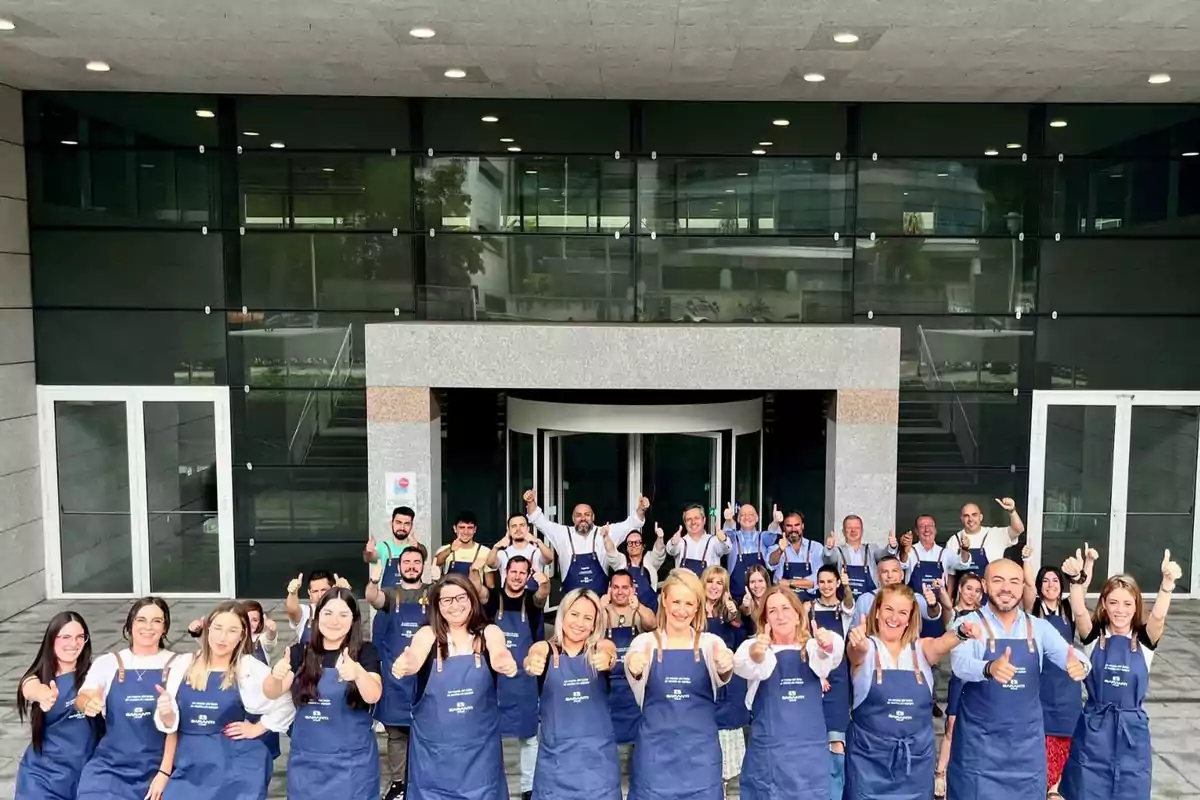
(591, 468)
(1117, 471)
(677, 470)
(137, 491)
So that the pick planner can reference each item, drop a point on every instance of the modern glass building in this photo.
(223, 289)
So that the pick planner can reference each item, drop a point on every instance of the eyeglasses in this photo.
(456, 600)
(65, 638)
(634, 544)
(144, 621)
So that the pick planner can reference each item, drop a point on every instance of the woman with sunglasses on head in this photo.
(134, 759)
(62, 737)
(454, 745)
(207, 700)
(333, 682)
(676, 673)
(577, 753)
(1110, 751)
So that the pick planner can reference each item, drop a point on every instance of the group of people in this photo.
(806, 672)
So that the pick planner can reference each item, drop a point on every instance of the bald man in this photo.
(998, 749)
(978, 544)
(582, 550)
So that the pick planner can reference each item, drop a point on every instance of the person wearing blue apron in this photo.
(970, 594)
(401, 611)
(977, 544)
(519, 541)
(518, 613)
(580, 549)
(577, 755)
(676, 672)
(784, 667)
(891, 573)
(133, 759)
(856, 559)
(732, 714)
(643, 566)
(796, 559)
(693, 547)
(998, 749)
(63, 738)
(834, 615)
(455, 751)
(622, 705)
(387, 552)
(748, 546)
(925, 574)
(333, 682)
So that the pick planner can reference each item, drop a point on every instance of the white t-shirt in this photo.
(1120, 640)
(530, 551)
(302, 623)
(276, 714)
(995, 541)
(103, 671)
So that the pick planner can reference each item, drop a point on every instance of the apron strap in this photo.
(120, 668)
(658, 642)
(917, 665)
(553, 654)
(167, 667)
(991, 635)
(878, 661)
(1029, 633)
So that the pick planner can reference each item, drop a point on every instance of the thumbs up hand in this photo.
(831, 540)
(49, 696)
(931, 599)
(1002, 669)
(535, 662)
(1007, 503)
(602, 660)
(504, 663)
(858, 636)
(1072, 567)
(636, 661)
(824, 640)
(1171, 572)
(776, 514)
(678, 535)
(93, 703)
(1075, 668)
(341, 583)
(758, 650)
(400, 667)
(658, 532)
(347, 668)
(1090, 553)
(282, 671)
(729, 512)
(722, 658)
(294, 584)
(165, 707)
(893, 543)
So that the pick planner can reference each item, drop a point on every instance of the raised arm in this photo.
(936, 648)
(858, 645)
(498, 652)
(1015, 526)
(410, 661)
(619, 530)
(291, 606)
(559, 536)
(1157, 622)
(1029, 593)
(1076, 571)
(373, 594)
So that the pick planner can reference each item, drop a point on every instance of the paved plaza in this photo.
(1174, 694)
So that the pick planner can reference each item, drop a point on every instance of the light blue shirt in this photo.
(862, 607)
(810, 555)
(750, 542)
(863, 677)
(969, 658)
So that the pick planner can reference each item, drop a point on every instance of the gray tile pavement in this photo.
(1172, 705)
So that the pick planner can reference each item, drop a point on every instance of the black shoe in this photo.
(937, 711)
(526, 795)
(395, 791)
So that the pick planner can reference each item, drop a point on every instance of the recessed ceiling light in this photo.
(249, 133)
(514, 149)
(780, 123)
(326, 169)
(507, 139)
(743, 174)
(489, 118)
(729, 191)
(1013, 145)
(1058, 123)
(422, 33)
(765, 144)
(1191, 153)
(845, 38)
(758, 152)
(455, 72)
(943, 174)
(146, 166)
(7, 25)
(205, 113)
(906, 194)
(98, 66)
(531, 172)
(1159, 77)
(70, 142)
(991, 151)
(814, 77)
(278, 145)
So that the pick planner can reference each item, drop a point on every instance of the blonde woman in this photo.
(724, 619)
(577, 752)
(675, 672)
(784, 667)
(891, 674)
(207, 698)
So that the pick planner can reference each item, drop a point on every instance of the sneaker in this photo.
(395, 791)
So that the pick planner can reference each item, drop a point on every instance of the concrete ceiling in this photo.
(909, 50)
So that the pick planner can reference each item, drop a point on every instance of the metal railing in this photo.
(948, 413)
(319, 403)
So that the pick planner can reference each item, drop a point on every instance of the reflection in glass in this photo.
(315, 350)
(950, 432)
(1078, 485)
(944, 129)
(677, 471)
(328, 190)
(1162, 492)
(1157, 130)
(748, 470)
(705, 127)
(294, 426)
(952, 353)
(1105, 352)
(301, 504)
(93, 496)
(520, 470)
(722, 279)
(942, 198)
(1109, 275)
(536, 126)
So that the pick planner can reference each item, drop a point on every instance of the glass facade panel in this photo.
(532, 126)
(281, 427)
(1124, 352)
(285, 189)
(1121, 130)
(323, 123)
(1078, 489)
(945, 129)
(941, 492)
(313, 505)
(1107, 197)
(120, 120)
(945, 430)
(315, 350)
(960, 352)
(1120, 276)
(698, 128)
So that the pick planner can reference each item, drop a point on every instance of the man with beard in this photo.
(518, 542)
(998, 749)
(466, 556)
(978, 544)
(796, 559)
(580, 550)
(401, 612)
(388, 551)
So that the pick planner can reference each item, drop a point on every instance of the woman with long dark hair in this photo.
(454, 747)
(969, 597)
(62, 737)
(133, 761)
(220, 752)
(334, 680)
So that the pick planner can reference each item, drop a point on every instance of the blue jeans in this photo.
(837, 775)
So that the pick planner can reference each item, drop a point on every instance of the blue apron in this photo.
(208, 764)
(394, 635)
(454, 750)
(584, 571)
(732, 713)
(270, 738)
(799, 569)
(696, 565)
(860, 578)
(462, 567)
(391, 568)
(1110, 752)
(738, 567)
(306, 632)
(517, 696)
(531, 585)
(677, 755)
(577, 750)
(333, 752)
(1062, 700)
(622, 705)
(790, 742)
(647, 595)
(923, 575)
(68, 740)
(954, 692)
(889, 747)
(837, 700)
(979, 559)
(998, 751)
(131, 750)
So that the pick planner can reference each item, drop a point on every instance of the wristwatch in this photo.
(987, 670)
(962, 635)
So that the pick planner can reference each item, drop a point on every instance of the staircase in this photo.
(339, 445)
(929, 459)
